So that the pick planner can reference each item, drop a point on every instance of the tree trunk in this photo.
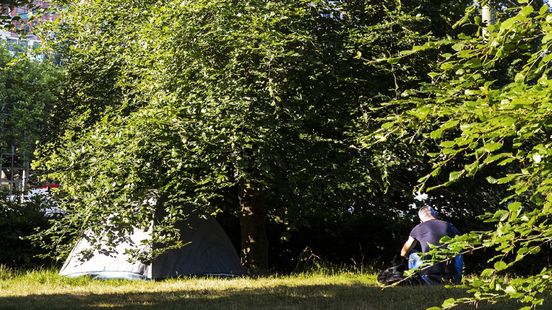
(254, 243)
(487, 16)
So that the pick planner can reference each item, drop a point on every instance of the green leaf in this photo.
(500, 215)
(510, 290)
(448, 144)
(487, 272)
(447, 65)
(436, 134)
(493, 146)
(515, 207)
(449, 303)
(458, 46)
(387, 125)
(507, 24)
(507, 161)
(500, 265)
(436, 172)
(544, 9)
(527, 10)
(520, 77)
(450, 124)
(455, 175)
(506, 179)
(421, 113)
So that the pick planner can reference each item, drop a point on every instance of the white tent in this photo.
(209, 252)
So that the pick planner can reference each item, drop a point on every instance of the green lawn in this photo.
(47, 290)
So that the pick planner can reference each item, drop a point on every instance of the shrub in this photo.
(20, 218)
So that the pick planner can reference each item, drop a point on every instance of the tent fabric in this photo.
(209, 252)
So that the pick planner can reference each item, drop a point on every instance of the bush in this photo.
(19, 219)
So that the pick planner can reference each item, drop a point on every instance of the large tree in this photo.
(196, 102)
(244, 105)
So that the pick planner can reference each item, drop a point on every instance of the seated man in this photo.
(430, 231)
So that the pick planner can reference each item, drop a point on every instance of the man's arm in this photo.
(409, 244)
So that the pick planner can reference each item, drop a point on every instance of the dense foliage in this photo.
(19, 219)
(29, 92)
(248, 108)
(488, 108)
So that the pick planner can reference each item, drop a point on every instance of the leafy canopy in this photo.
(29, 93)
(488, 108)
(184, 103)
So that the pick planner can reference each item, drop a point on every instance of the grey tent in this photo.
(209, 252)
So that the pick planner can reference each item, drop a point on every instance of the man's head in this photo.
(427, 213)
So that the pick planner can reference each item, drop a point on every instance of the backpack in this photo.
(395, 274)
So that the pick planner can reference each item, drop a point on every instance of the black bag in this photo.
(395, 274)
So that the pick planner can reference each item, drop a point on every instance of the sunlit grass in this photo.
(319, 290)
(49, 282)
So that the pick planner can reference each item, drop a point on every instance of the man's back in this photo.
(431, 232)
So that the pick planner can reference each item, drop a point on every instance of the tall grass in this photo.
(323, 289)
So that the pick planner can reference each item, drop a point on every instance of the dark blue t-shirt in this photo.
(431, 232)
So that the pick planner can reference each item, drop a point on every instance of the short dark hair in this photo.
(427, 211)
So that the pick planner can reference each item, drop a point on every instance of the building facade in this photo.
(21, 38)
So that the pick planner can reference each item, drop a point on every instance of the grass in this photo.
(47, 290)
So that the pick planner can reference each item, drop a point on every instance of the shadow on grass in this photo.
(357, 296)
